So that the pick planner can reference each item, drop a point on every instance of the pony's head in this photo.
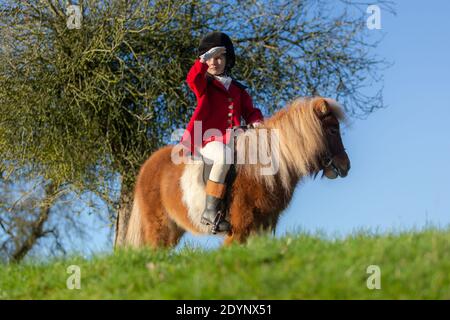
(307, 141)
(333, 160)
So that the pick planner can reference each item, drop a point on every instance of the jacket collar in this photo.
(220, 86)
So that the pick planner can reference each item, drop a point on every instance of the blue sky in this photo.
(400, 176)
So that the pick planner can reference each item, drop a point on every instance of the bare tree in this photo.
(37, 216)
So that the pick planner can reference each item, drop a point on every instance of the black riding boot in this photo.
(211, 216)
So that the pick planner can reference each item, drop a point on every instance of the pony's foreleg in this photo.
(229, 240)
(248, 222)
(236, 237)
(242, 224)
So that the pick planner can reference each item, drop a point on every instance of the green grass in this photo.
(414, 265)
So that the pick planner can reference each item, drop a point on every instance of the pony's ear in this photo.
(321, 107)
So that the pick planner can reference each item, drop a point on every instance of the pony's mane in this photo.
(300, 140)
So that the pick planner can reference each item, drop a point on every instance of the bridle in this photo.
(327, 162)
(327, 158)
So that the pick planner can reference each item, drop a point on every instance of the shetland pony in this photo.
(169, 198)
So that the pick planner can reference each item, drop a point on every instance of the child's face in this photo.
(216, 65)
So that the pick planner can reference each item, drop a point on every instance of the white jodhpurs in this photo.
(220, 155)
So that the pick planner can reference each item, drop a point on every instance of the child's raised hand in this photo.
(211, 53)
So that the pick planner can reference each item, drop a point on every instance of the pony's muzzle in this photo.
(341, 163)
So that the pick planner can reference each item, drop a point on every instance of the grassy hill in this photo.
(413, 265)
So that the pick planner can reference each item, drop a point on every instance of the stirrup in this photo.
(220, 216)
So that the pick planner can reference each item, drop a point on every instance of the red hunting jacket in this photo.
(217, 108)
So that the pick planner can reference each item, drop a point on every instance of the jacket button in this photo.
(230, 114)
(230, 99)
(230, 107)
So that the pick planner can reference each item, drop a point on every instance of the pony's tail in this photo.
(134, 237)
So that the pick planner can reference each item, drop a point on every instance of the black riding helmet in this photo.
(218, 39)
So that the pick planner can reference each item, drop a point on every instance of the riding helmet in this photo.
(218, 39)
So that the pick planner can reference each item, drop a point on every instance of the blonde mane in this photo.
(300, 140)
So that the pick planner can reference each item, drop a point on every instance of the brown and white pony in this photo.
(169, 198)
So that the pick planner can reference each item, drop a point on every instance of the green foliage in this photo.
(414, 265)
(81, 105)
